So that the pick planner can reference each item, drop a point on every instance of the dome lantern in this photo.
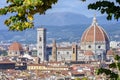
(94, 21)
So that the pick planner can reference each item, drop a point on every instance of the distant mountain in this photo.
(61, 18)
(71, 33)
(68, 18)
(63, 26)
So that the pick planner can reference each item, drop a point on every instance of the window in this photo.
(99, 47)
(67, 53)
(73, 50)
(58, 52)
(50, 53)
(40, 39)
(40, 47)
(40, 53)
(89, 46)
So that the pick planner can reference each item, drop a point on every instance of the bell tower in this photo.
(41, 43)
(74, 52)
(54, 51)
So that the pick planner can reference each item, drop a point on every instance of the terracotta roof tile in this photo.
(88, 53)
(94, 33)
(110, 52)
(15, 47)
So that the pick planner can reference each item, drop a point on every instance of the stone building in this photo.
(41, 43)
(15, 49)
(93, 46)
(95, 39)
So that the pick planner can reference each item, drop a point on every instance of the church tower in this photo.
(54, 51)
(41, 43)
(74, 52)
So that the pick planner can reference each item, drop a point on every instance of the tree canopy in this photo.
(24, 10)
(113, 72)
(111, 8)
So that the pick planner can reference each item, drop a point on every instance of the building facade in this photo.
(93, 46)
(95, 39)
(15, 49)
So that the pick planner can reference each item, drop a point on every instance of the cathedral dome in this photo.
(94, 33)
(15, 47)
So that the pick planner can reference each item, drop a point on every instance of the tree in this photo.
(111, 8)
(113, 72)
(85, 78)
(3, 52)
(24, 11)
(77, 78)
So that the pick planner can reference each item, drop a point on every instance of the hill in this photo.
(64, 26)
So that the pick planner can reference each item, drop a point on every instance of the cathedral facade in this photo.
(94, 45)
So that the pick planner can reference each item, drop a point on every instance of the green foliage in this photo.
(24, 11)
(77, 78)
(112, 9)
(84, 78)
(113, 72)
(3, 52)
(109, 73)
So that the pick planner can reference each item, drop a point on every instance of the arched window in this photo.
(58, 52)
(73, 50)
(40, 39)
(67, 53)
(99, 47)
(89, 46)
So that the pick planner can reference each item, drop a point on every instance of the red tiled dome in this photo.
(15, 47)
(94, 33)
(88, 53)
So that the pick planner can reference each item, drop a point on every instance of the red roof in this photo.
(15, 47)
(94, 33)
(88, 53)
(110, 52)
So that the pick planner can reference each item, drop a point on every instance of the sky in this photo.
(75, 6)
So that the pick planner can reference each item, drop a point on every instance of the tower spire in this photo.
(54, 42)
(54, 51)
(94, 22)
